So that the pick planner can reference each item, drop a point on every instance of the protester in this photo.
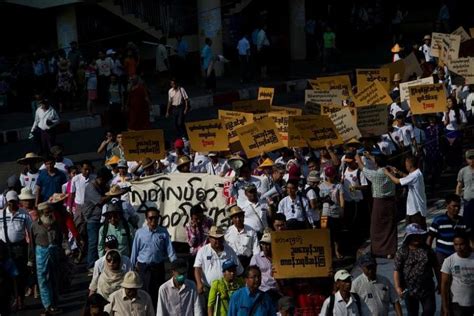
(343, 302)
(222, 289)
(263, 260)
(465, 188)
(383, 228)
(243, 49)
(50, 181)
(178, 296)
(130, 300)
(415, 265)
(151, 246)
(375, 290)
(207, 64)
(46, 236)
(197, 230)
(454, 119)
(178, 106)
(295, 207)
(256, 211)
(94, 199)
(250, 298)
(15, 227)
(457, 279)
(112, 276)
(209, 260)
(30, 174)
(117, 226)
(240, 237)
(416, 200)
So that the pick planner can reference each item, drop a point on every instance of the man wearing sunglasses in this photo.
(151, 246)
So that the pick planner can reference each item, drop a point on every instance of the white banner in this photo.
(175, 194)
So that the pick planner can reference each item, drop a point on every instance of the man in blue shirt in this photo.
(151, 246)
(50, 181)
(445, 226)
(249, 300)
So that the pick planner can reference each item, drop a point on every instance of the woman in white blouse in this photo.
(454, 119)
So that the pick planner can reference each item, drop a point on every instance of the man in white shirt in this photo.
(30, 175)
(178, 296)
(416, 200)
(406, 130)
(243, 47)
(426, 49)
(80, 181)
(215, 165)
(104, 70)
(375, 291)
(242, 238)
(295, 207)
(209, 259)
(61, 163)
(343, 302)
(256, 211)
(245, 178)
(178, 106)
(46, 118)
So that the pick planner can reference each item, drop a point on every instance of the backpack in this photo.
(332, 300)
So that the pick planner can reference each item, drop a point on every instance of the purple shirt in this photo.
(265, 265)
(197, 238)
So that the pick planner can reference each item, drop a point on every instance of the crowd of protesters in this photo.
(58, 213)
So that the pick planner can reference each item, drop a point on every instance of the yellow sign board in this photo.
(372, 120)
(233, 120)
(301, 253)
(294, 137)
(259, 137)
(319, 131)
(372, 94)
(290, 111)
(206, 136)
(345, 124)
(365, 77)
(463, 67)
(281, 121)
(428, 99)
(138, 145)
(325, 97)
(266, 94)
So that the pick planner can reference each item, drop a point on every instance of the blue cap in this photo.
(228, 264)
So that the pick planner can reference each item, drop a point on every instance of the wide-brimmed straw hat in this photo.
(147, 162)
(235, 210)
(29, 158)
(115, 190)
(132, 280)
(58, 197)
(216, 232)
(183, 160)
(26, 194)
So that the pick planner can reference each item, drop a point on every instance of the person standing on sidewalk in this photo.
(243, 48)
(46, 118)
(207, 63)
(178, 106)
(465, 188)
(138, 105)
(457, 280)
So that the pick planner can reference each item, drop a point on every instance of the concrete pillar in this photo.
(210, 25)
(66, 26)
(297, 32)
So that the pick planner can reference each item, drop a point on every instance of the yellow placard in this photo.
(453, 40)
(372, 94)
(290, 111)
(259, 137)
(313, 84)
(372, 120)
(404, 88)
(365, 77)
(345, 124)
(233, 120)
(294, 137)
(266, 94)
(428, 99)
(463, 67)
(252, 106)
(259, 116)
(138, 145)
(301, 253)
(342, 82)
(319, 131)
(325, 97)
(209, 135)
(281, 122)
(461, 32)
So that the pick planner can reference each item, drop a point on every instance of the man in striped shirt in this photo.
(445, 226)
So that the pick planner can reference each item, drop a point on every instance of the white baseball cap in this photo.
(342, 275)
(12, 195)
